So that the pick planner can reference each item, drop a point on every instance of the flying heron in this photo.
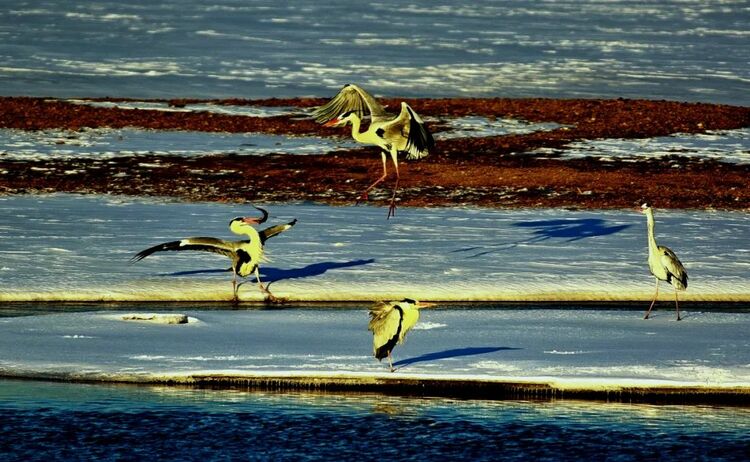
(245, 254)
(392, 133)
(389, 323)
(663, 263)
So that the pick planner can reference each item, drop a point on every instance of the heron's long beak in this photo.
(256, 220)
(421, 305)
(332, 122)
(251, 220)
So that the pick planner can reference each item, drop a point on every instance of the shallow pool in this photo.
(44, 421)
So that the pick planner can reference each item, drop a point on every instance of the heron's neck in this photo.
(356, 123)
(650, 230)
(245, 229)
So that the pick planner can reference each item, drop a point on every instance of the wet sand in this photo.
(496, 171)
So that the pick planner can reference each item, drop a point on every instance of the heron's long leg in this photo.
(363, 196)
(263, 288)
(677, 305)
(236, 297)
(392, 208)
(653, 301)
(390, 361)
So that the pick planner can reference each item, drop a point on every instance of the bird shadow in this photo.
(569, 229)
(452, 353)
(200, 271)
(269, 275)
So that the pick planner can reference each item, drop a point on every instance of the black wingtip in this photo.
(138, 257)
(174, 245)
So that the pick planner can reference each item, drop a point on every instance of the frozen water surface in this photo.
(69, 247)
(243, 110)
(567, 348)
(106, 143)
(732, 146)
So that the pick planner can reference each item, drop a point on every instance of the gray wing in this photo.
(351, 98)
(674, 267)
(205, 244)
(409, 126)
(274, 230)
(384, 324)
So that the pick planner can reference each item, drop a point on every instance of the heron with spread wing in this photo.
(245, 254)
(389, 323)
(393, 134)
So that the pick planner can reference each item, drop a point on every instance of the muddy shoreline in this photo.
(493, 171)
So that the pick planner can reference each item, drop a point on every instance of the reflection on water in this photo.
(56, 420)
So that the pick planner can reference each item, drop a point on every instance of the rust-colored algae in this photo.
(494, 171)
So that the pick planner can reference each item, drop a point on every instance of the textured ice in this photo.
(70, 247)
(567, 347)
(731, 146)
(244, 110)
(106, 143)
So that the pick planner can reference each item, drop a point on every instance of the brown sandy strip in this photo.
(491, 171)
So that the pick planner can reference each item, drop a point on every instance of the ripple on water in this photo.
(65, 421)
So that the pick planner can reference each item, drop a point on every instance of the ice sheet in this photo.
(70, 247)
(566, 348)
(106, 143)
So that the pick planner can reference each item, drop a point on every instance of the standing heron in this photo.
(663, 263)
(245, 254)
(392, 133)
(389, 323)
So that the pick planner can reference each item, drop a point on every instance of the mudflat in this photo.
(496, 171)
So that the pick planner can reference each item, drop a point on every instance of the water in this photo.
(43, 421)
(680, 49)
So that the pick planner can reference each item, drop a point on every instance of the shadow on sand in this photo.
(453, 353)
(569, 229)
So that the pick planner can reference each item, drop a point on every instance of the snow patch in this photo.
(429, 326)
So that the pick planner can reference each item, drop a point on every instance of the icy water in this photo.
(679, 49)
(45, 421)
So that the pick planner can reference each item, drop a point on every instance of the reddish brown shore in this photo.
(492, 171)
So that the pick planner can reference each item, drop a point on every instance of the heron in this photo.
(393, 134)
(389, 323)
(663, 263)
(246, 255)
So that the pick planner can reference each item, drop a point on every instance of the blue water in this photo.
(57, 421)
(677, 49)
